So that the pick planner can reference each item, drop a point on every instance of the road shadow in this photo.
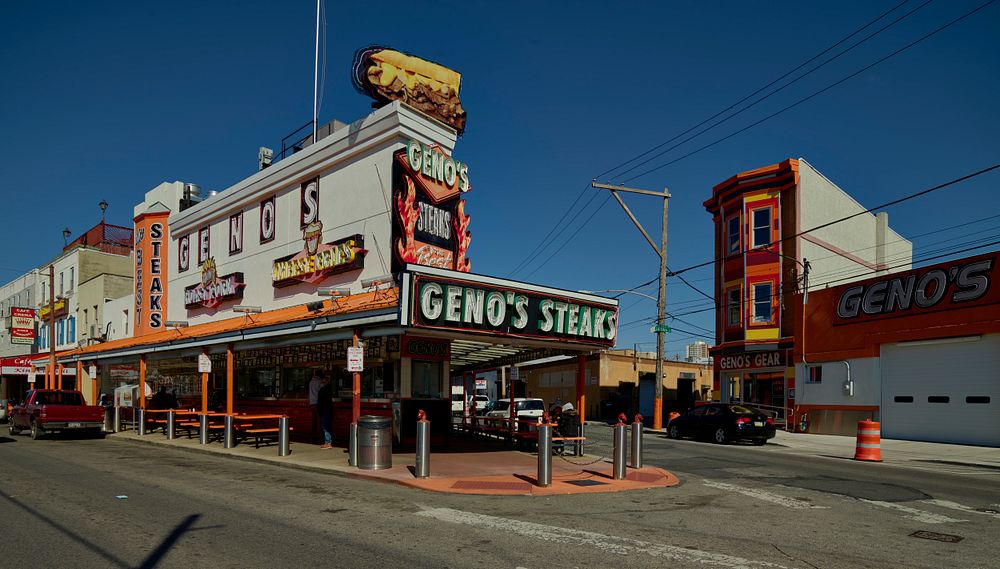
(7, 440)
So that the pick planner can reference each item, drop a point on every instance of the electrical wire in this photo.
(809, 97)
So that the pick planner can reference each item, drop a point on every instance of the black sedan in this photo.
(723, 422)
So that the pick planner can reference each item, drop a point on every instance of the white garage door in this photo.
(942, 391)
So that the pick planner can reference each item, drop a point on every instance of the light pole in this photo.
(661, 301)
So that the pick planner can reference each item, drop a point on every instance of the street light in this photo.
(104, 207)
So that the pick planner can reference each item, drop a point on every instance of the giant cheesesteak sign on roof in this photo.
(388, 75)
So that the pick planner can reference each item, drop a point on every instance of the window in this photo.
(427, 380)
(71, 330)
(815, 374)
(733, 235)
(761, 227)
(762, 297)
(61, 289)
(61, 332)
(72, 275)
(733, 302)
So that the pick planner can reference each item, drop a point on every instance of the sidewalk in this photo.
(894, 451)
(480, 471)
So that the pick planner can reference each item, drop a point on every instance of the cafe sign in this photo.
(213, 289)
(22, 326)
(449, 300)
(318, 260)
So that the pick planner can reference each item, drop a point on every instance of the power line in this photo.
(545, 240)
(578, 229)
(790, 83)
(852, 216)
(821, 91)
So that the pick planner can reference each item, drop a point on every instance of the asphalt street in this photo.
(108, 503)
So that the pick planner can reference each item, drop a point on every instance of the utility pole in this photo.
(52, 324)
(661, 297)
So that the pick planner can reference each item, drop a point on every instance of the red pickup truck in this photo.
(46, 410)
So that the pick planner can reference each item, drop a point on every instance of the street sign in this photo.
(92, 371)
(31, 377)
(355, 359)
(204, 363)
(660, 328)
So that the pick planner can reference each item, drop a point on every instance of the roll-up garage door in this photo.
(942, 391)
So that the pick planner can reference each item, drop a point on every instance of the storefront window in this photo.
(428, 381)
(257, 383)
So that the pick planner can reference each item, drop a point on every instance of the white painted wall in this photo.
(865, 372)
(118, 314)
(355, 169)
(823, 201)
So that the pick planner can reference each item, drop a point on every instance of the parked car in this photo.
(478, 402)
(722, 423)
(524, 408)
(46, 410)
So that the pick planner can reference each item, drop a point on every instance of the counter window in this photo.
(428, 381)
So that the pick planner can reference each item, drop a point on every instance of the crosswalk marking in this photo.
(961, 508)
(771, 497)
(612, 544)
(914, 513)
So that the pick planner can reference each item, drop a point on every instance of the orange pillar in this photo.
(581, 385)
(204, 388)
(230, 364)
(59, 383)
(356, 389)
(93, 381)
(79, 379)
(142, 382)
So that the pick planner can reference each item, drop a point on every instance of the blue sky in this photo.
(107, 99)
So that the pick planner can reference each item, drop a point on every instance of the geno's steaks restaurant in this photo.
(917, 350)
(355, 247)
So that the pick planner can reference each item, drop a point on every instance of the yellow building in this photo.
(619, 381)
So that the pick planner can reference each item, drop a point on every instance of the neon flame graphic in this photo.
(462, 262)
(409, 211)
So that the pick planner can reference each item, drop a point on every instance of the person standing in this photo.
(324, 408)
(314, 386)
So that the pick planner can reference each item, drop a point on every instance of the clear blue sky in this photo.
(107, 99)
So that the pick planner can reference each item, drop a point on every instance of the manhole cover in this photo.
(586, 482)
(933, 535)
(489, 485)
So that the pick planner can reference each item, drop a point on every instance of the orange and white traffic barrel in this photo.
(869, 445)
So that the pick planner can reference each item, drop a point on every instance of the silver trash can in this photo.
(109, 420)
(374, 442)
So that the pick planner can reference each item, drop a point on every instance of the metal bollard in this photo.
(142, 422)
(619, 450)
(117, 426)
(284, 441)
(422, 469)
(171, 426)
(545, 455)
(352, 446)
(637, 442)
(229, 436)
(203, 429)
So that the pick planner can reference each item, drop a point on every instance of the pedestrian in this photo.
(161, 400)
(324, 408)
(314, 386)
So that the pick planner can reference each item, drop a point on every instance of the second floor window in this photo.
(734, 306)
(762, 296)
(733, 235)
(761, 227)
(61, 289)
(72, 273)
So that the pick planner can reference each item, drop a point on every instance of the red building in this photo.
(765, 222)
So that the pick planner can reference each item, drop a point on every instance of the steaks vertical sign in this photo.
(431, 227)
(151, 244)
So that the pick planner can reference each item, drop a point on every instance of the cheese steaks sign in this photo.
(451, 304)
(430, 225)
(956, 284)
